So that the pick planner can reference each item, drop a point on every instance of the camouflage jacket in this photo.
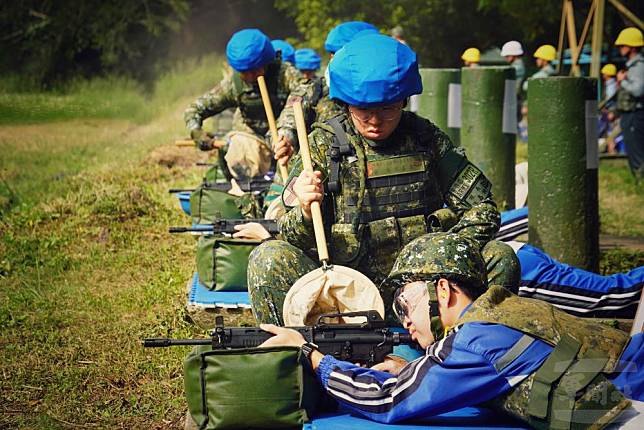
(388, 191)
(285, 84)
(326, 108)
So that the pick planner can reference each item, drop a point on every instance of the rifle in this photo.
(250, 186)
(366, 343)
(226, 226)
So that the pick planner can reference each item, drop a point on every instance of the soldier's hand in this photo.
(203, 140)
(308, 189)
(392, 364)
(251, 230)
(621, 75)
(283, 336)
(283, 149)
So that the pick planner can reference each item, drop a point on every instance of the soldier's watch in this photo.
(307, 350)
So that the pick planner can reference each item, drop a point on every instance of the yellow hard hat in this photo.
(630, 36)
(472, 55)
(546, 52)
(609, 69)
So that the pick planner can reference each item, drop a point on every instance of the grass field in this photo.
(87, 269)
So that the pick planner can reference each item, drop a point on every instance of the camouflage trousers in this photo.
(276, 265)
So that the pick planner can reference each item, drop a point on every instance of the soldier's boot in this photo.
(273, 267)
(502, 264)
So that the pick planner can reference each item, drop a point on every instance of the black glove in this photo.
(205, 145)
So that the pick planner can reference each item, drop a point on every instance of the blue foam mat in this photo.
(470, 418)
(203, 297)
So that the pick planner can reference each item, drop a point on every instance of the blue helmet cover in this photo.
(249, 49)
(288, 52)
(344, 33)
(374, 70)
(307, 59)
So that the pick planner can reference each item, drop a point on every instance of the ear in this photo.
(443, 292)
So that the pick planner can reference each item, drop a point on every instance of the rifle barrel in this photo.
(162, 342)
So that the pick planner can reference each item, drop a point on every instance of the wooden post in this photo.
(598, 34)
(584, 32)
(627, 13)
(562, 32)
(572, 37)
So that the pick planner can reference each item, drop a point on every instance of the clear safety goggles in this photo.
(385, 113)
(406, 300)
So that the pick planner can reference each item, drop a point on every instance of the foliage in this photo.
(48, 40)
(439, 30)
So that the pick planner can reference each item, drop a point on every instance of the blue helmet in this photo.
(249, 49)
(345, 33)
(307, 59)
(361, 78)
(288, 52)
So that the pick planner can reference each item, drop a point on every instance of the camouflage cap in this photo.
(435, 254)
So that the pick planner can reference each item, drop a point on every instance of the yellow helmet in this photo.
(630, 36)
(546, 52)
(472, 55)
(609, 69)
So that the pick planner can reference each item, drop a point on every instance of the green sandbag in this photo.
(250, 388)
(208, 204)
(222, 262)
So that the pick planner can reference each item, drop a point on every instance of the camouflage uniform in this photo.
(387, 191)
(326, 108)
(285, 84)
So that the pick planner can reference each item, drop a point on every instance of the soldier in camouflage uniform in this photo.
(387, 174)
(515, 355)
(250, 54)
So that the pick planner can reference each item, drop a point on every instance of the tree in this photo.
(51, 40)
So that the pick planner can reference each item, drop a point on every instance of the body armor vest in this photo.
(570, 389)
(249, 99)
(381, 198)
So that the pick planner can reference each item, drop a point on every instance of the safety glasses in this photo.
(405, 301)
(385, 113)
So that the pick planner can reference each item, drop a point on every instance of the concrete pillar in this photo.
(440, 101)
(562, 178)
(489, 126)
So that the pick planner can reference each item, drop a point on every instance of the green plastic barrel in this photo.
(440, 101)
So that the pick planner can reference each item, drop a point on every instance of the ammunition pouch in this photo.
(250, 388)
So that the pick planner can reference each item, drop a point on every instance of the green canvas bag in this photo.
(250, 388)
(222, 262)
(208, 204)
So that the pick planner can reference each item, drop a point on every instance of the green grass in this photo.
(108, 98)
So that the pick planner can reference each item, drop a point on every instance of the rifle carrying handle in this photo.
(316, 211)
(270, 116)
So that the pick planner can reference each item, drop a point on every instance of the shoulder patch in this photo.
(471, 185)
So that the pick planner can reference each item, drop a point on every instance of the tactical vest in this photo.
(380, 201)
(626, 102)
(249, 99)
(570, 389)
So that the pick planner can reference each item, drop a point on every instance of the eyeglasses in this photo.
(385, 113)
(406, 300)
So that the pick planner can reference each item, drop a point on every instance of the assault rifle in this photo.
(366, 343)
(220, 226)
(250, 186)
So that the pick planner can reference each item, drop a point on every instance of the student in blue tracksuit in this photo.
(517, 355)
(577, 291)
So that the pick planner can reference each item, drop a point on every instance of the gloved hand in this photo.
(202, 140)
